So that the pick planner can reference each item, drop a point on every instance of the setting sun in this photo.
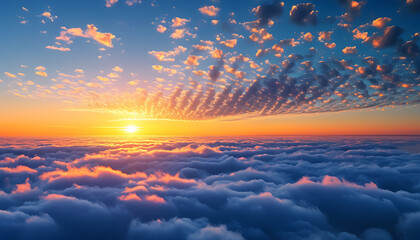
(131, 129)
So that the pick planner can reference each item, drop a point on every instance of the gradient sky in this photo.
(209, 67)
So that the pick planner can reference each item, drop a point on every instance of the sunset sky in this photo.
(209, 67)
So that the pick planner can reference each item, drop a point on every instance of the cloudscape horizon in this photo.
(210, 119)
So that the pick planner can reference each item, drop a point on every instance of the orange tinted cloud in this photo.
(330, 45)
(229, 43)
(18, 169)
(381, 22)
(129, 197)
(109, 3)
(91, 32)
(209, 10)
(22, 188)
(192, 60)
(178, 33)
(217, 53)
(95, 172)
(155, 198)
(167, 56)
(308, 37)
(117, 69)
(334, 181)
(10, 75)
(178, 22)
(325, 36)
(63, 49)
(161, 29)
(54, 196)
(350, 50)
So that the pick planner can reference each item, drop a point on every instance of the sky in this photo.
(209, 67)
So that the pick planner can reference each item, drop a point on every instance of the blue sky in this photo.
(267, 69)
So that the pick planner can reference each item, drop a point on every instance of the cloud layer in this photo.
(192, 188)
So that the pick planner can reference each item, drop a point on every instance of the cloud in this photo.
(179, 22)
(179, 33)
(330, 45)
(167, 56)
(308, 36)
(198, 188)
(388, 39)
(303, 13)
(10, 75)
(161, 29)
(381, 22)
(325, 36)
(350, 50)
(117, 69)
(231, 43)
(413, 5)
(62, 49)
(192, 60)
(266, 12)
(209, 10)
(91, 32)
(49, 16)
(109, 3)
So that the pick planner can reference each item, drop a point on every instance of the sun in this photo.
(131, 129)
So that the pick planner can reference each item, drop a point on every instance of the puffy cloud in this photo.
(179, 22)
(266, 12)
(330, 45)
(308, 36)
(117, 69)
(325, 36)
(209, 10)
(350, 50)
(303, 13)
(217, 53)
(231, 43)
(388, 39)
(49, 16)
(179, 33)
(192, 60)
(91, 32)
(22, 188)
(381, 22)
(161, 29)
(220, 232)
(167, 56)
(109, 3)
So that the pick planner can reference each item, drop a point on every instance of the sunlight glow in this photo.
(131, 129)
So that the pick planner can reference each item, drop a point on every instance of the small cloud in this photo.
(117, 69)
(209, 10)
(192, 60)
(179, 22)
(380, 22)
(63, 49)
(109, 3)
(161, 29)
(350, 50)
(229, 43)
(10, 75)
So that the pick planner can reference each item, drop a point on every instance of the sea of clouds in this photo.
(210, 188)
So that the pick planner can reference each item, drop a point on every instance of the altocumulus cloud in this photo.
(192, 188)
